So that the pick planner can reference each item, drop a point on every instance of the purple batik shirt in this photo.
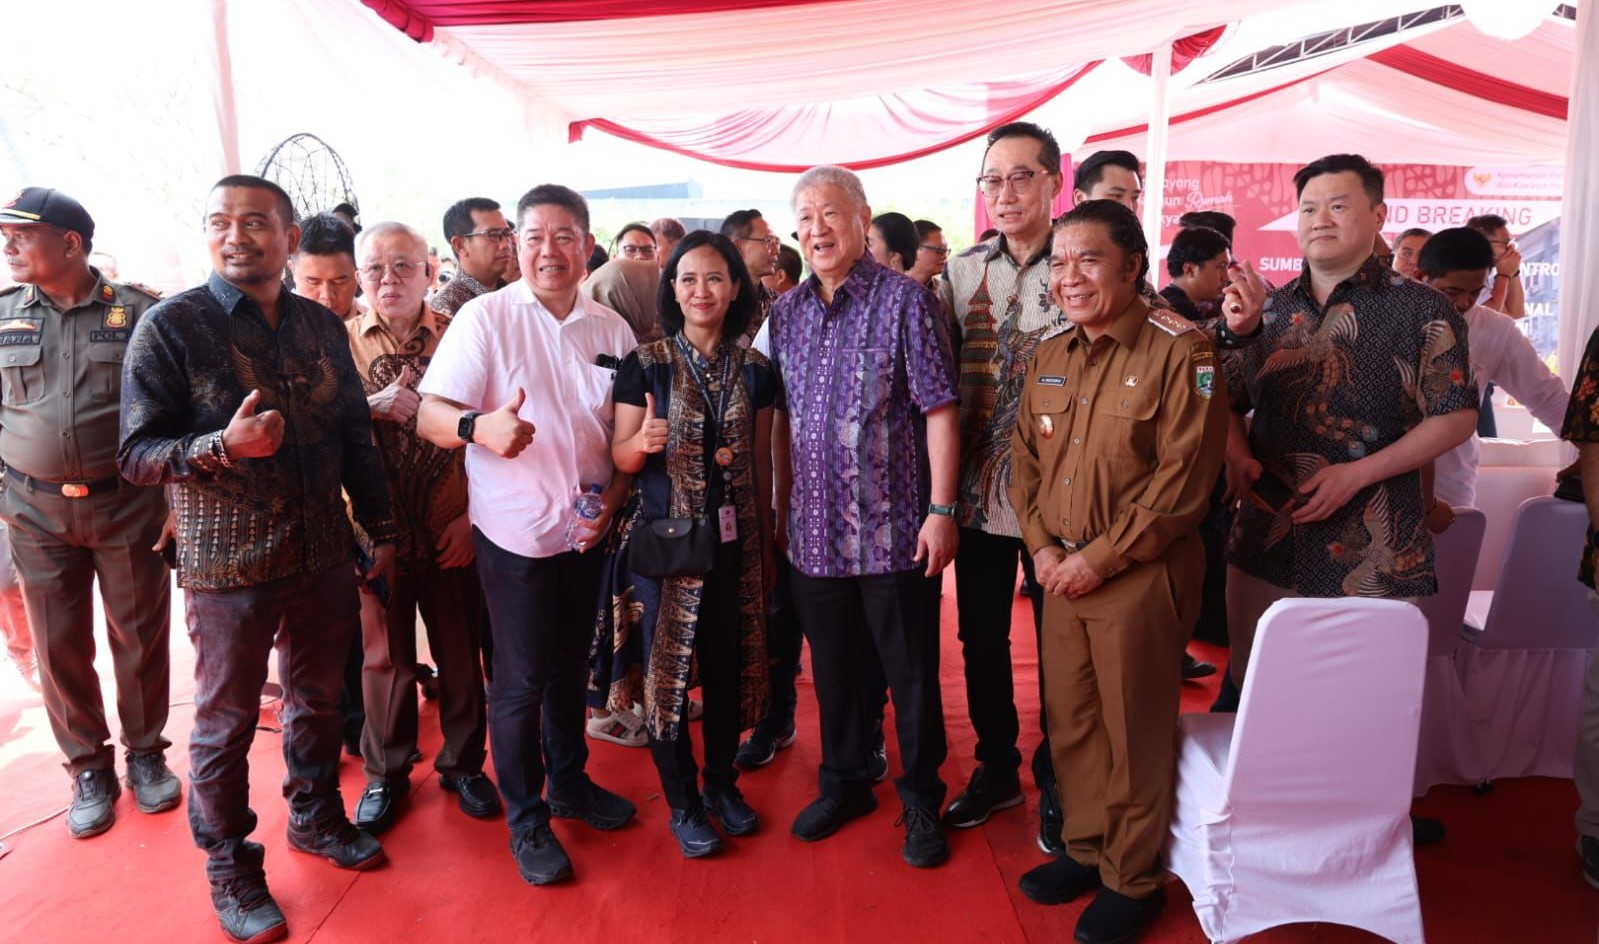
(857, 377)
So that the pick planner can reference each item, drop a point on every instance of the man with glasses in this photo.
(485, 251)
(1508, 295)
(997, 292)
(393, 344)
(242, 398)
(931, 253)
(759, 246)
(635, 241)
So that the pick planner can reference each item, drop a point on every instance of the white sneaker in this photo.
(620, 727)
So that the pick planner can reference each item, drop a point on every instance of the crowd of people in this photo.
(605, 483)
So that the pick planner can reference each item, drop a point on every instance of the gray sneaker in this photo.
(94, 798)
(155, 787)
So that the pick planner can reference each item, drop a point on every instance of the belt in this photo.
(67, 489)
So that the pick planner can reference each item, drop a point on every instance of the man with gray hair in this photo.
(866, 443)
(392, 345)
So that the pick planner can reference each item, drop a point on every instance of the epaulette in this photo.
(1056, 330)
(141, 287)
(1170, 322)
(10, 289)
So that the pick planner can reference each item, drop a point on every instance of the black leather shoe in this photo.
(246, 912)
(1588, 848)
(727, 804)
(1425, 830)
(826, 814)
(694, 833)
(877, 763)
(925, 846)
(1113, 918)
(1058, 881)
(990, 789)
(1195, 669)
(379, 805)
(477, 796)
(539, 856)
(596, 806)
(155, 787)
(340, 843)
(94, 803)
(1050, 822)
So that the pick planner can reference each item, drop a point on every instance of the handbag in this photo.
(673, 547)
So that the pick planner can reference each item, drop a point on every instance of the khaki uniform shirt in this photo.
(62, 379)
(1118, 441)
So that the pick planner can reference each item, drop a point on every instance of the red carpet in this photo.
(1506, 872)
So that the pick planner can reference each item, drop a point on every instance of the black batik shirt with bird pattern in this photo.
(1335, 384)
(192, 360)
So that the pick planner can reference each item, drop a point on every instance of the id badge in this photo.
(727, 517)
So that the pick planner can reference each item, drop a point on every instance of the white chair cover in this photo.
(1523, 673)
(1446, 751)
(1300, 811)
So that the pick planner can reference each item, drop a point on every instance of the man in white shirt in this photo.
(1457, 262)
(524, 377)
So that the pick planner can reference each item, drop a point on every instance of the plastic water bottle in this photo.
(587, 508)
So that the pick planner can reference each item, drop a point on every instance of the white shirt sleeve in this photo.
(1508, 359)
(763, 338)
(460, 365)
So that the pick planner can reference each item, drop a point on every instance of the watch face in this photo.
(463, 428)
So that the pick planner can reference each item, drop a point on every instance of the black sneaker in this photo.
(1195, 669)
(596, 806)
(989, 790)
(477, 796)
(379, 805)
(727, 804)
(155, 787)
(759, 749)
(826, 814)
(1588, 848)
(877, 764)
(1057, 882)
(1050, 823)
(246, 912)
(1113, 918)
(925, 846)
(695, 834)
(339, 842)
(539, 856)
(94, 799)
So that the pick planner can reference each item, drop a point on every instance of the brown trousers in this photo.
(451, 606)
(60, 547)
(1112, 663)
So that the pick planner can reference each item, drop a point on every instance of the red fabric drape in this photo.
(416, 18)
(1450, 75)
(1183, 51)
(859, 133)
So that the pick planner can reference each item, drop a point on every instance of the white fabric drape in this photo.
(1579, 223)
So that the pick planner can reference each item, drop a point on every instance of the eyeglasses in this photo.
(638, 251)
(1021, 182)
(930, 247)
(772, 242)
(402, 270)
(493, 235)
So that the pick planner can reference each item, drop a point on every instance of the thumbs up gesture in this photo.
(397, 402)
(502, 431)
(652, 434)
(250, 435)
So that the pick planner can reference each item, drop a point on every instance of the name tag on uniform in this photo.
(96, 337)
(727, 518)
(1048, 381)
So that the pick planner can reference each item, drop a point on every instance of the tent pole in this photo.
(222, 98)
(1155, 160)
(1579, 216)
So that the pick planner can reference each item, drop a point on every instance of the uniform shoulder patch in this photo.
(142, 289)
(1170, 322)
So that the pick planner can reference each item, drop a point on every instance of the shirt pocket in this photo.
(105, 372)
(1128, 418)
(597, 383)
(1051, 410)
(871, 372)
(22, 373)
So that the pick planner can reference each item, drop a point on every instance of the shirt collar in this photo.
(1125, 327)
(478, 288)
(103, 293)
(998, 248)
(1372, 276)
(225, 292)
(1180, 302)
(368, 321)
(857, 284)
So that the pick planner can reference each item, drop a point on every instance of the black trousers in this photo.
(716, 645)
(783, 644)
(846, 619)
(543, 613)
(1213, 531)
(309, 618)
(985, 587)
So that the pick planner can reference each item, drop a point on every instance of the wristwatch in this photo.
(947, 511)
(463, 427)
